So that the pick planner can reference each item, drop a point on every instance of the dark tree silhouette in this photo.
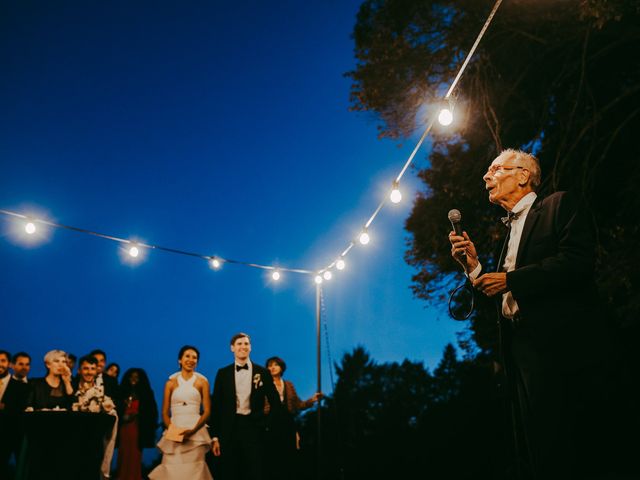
(385, 419)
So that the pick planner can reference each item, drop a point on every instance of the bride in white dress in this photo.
(186, 398)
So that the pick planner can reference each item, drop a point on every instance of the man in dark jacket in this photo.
(554, 341)
(237, 412)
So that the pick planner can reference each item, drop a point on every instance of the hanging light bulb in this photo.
(134, 252)
(445, 117)
(276, 275)
(327, 275)
(30, 228)
(318, 279)
(340, 264)
(396, 194)
(215, 263)
(364, 237)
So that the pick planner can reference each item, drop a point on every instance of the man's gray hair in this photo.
(527, 161)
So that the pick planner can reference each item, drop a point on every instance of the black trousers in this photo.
(564, 423)
(242, 454)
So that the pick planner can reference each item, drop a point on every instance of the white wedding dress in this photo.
(184, 460)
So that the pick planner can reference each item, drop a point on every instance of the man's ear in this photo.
(525, 176)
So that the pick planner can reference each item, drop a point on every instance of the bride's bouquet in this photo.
(93, 400)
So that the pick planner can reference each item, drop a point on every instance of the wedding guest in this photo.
(138, 414)
(13, 397)
(110, 383)
(185, 409)
(55, 389)
(21, 365)
(282, 438)
(113, 370)
(71, 361)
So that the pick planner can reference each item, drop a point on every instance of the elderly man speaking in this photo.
(553, 339)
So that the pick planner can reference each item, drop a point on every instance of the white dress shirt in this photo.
(243, 389)
(509, 304)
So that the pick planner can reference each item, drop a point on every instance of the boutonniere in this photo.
(257, 380)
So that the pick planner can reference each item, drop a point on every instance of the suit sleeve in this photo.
(572, 264)
(216, 406)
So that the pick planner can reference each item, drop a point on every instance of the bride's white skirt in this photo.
(184, 460)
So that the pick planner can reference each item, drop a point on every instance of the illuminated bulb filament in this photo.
(396, 195)
(445, 117)
(364, 238)
(276, 275)
(327, 275)
(340, 264)
(134, 252)
(30, 228)
(318, 279)
(215, 263)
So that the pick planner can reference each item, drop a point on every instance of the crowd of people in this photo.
(245, 427)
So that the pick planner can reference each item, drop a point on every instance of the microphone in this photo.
(455, 217)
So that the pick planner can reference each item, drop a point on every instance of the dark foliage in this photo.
(386, 420)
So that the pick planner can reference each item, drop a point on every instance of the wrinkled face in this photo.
(189, 360)
(57, 365)
(101, 361)
(88, 372)
(274, 369)
(113, 371)
(503, 180)
(4, 365)
(21, 367)
(241, 349)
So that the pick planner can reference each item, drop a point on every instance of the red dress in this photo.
(129, 453)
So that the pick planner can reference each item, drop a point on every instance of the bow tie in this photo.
(242, 367)
(511, 216)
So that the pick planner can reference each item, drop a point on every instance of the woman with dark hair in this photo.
(185, 409)
(113, 370)
(138, 414)
(282, 439)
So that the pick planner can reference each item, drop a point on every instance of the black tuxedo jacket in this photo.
(223, 401)
(553, 282)
(15, 396)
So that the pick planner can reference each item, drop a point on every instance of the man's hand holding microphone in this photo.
(464, 252)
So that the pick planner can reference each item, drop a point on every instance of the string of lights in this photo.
(135, 249)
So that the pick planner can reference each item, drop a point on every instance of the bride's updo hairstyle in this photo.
(188, 347)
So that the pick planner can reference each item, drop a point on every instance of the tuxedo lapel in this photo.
(530, 222)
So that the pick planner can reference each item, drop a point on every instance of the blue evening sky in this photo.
(214, 127)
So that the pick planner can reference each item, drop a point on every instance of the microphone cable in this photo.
(465, 285)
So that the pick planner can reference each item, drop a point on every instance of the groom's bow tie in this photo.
(511, 216)
(242, 367)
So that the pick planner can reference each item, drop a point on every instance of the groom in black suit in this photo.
(237, 420)
(553, 338)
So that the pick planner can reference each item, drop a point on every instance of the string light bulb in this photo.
(134, 252)
(364, 237)
(340, 264)
(30, 228)
(327, 275)
(215, 263)
(275, 275)
(318, 279)
(445, 117)
(396, 195)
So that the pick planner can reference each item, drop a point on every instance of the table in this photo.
(63, 445)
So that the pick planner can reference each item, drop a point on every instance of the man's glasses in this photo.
(493, 169)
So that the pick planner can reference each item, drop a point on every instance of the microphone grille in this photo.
(454, 216)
